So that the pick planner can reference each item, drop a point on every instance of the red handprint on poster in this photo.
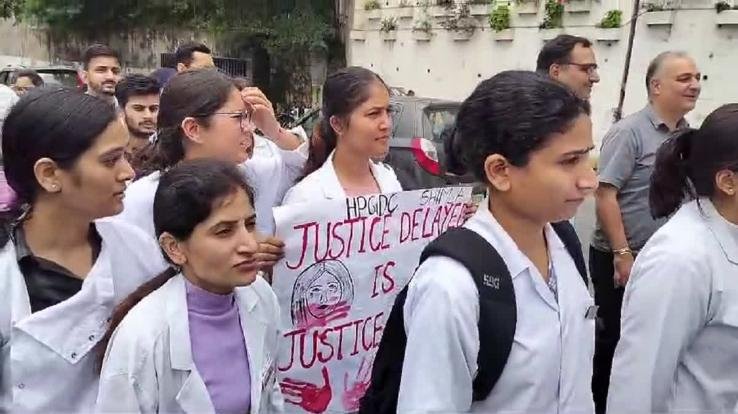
(352, 394)
(310, 397)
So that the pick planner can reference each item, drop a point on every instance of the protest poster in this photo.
(345, 261)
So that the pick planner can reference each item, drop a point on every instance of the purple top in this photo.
(218, 349)
(7, 195)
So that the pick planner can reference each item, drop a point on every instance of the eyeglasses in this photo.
(244, 119)
(589, 68)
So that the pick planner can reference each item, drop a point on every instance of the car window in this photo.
(402, 120)
(59, 77)
(4, 77)
(436, 119)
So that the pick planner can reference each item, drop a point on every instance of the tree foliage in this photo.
(284, 26)
(289, 30)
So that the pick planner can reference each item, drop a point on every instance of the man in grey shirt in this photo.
(624, 222)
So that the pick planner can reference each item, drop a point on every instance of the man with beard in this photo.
(193, 56)
(101, 72)
(138, 97)
(571, 61)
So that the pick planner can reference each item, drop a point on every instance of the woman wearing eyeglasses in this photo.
(205, 114)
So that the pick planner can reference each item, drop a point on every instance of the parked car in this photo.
(52, 75)
(416, 148)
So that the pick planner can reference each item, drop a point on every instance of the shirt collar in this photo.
(332, 187)
(19, 240)
(484, 223)
(21, 245)
(658, 122)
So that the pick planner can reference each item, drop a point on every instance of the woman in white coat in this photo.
(205, 114)
(355, 129)
(201, 338)
(62, 271)
(677, 350)
(528, 139)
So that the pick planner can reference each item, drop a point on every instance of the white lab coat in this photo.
(149, 366)
(678, 349)
(549, 369)
(49, 357)
(323, 183)
(269, 173)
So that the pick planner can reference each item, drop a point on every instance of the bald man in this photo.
(624, 222)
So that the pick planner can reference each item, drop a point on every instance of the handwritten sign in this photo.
(345, 262)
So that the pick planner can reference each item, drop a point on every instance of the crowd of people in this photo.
(137, 241)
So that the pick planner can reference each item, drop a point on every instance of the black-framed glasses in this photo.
(244, 119)
(590, 68)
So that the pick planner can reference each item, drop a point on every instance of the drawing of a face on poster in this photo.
(322, 293)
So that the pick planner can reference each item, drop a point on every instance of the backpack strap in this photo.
(568, 235)
(497, 310)
(383, 392)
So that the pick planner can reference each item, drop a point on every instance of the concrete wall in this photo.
(21, 44)
(448, 68)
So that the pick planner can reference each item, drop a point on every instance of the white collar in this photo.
(332, 187)
(484, 223)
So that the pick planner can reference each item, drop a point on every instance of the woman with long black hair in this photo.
(677, 350)
(62, 269)
(200, 337)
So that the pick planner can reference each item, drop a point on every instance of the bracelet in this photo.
(623, 251)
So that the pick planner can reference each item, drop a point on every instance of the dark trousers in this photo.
(609, 299)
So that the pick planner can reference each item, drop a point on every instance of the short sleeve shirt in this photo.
(626, 162)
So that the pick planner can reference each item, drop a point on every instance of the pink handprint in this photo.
(352, 394)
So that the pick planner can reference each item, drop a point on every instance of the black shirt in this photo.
(48, 283)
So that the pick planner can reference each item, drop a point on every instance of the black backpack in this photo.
(497, 315)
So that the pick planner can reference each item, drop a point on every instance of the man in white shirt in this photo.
(528, 138)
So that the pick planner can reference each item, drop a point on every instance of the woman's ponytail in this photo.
(670, 178)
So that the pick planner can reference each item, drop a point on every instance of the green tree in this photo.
(289, 30)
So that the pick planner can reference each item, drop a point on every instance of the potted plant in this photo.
(658, 15)
(526, 6)
(728, 17)
(479, 7)
(388, 29)
(721, 6)
(578, 6)
(405, 10)
(499, 21)
(373, 9)
(461, 24)
(554, 15)
(422, 31)
(609, 27)
(443, 8)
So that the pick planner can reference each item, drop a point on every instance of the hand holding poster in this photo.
(345, 262)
